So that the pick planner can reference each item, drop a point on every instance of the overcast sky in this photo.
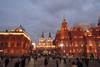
(38, 16)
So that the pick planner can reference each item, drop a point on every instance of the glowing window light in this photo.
(70, 51)
(20, 30)
(99, 45)
(73, 50)
(87, 51)
(66, 45)
(9, 33)
(1, 50)
(95, 51)
(64, 51)
(90, 44)
(81, 45)
(12, 51)
(61, 45)
(76, 45)
(34, 45)
(81, 36)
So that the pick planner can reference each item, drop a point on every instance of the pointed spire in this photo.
(21, 27)
(42, 34)
(64, 25)
(49, 34)
(64, 21)
(98, 21)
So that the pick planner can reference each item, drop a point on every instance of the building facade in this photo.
(15, 43)
(45, 46)
(77, 42)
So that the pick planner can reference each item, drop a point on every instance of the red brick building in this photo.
(76, 42)
(15, 43)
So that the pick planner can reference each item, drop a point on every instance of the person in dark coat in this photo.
(6, 62)
(73, 64)
(79, 63)
(64, 60)
(45, 62)
(23, 62)
(87, 62)
(57, 63)
(17, 64)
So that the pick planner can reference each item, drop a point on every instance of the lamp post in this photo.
(62, 48)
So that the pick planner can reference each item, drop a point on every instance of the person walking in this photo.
(6, 62)
(73, 64)
(17, 64)
(79, 63)
(87, 62)
(23, 62)
(64, 60)
(45, 62)
(57, 63)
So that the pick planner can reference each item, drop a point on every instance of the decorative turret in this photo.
(64, 25)
(64, 30)
(42, 40)
(50, 40)
(99, 21)
(49, 35)
(42, 35)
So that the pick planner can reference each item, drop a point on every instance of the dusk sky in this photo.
(38, 16)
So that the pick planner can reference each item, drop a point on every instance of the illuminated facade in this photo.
(77, 42)
(96, 33)
(15, 43)
(42, 43)
(62, 39)
(45, 46)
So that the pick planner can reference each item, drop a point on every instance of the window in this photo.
(87, 50)
(15, 45)
(66, 45)
(73, 50)
(95, 51)
(81, 36)
(97, 29)
(81, 45)
(70, 51)
(99, 45)
(75, 36)
(9, 44)
(76, 45)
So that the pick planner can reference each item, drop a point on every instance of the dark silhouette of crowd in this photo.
(21, 61)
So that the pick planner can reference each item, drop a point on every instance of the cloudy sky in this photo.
(38, 16)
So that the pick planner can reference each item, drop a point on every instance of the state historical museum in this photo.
(78, 41)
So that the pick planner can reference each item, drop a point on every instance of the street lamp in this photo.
(61, 45)
(62, 49)
(34, 45)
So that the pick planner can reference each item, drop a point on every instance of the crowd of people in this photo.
(18, 62)
(21, 62)
(73, 63)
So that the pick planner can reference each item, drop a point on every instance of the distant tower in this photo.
(64, 30)
(42, 35)
(49, 35)
(50, 40)
(21, 27)
(42, 41)
(99, 21)
(64, 38)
